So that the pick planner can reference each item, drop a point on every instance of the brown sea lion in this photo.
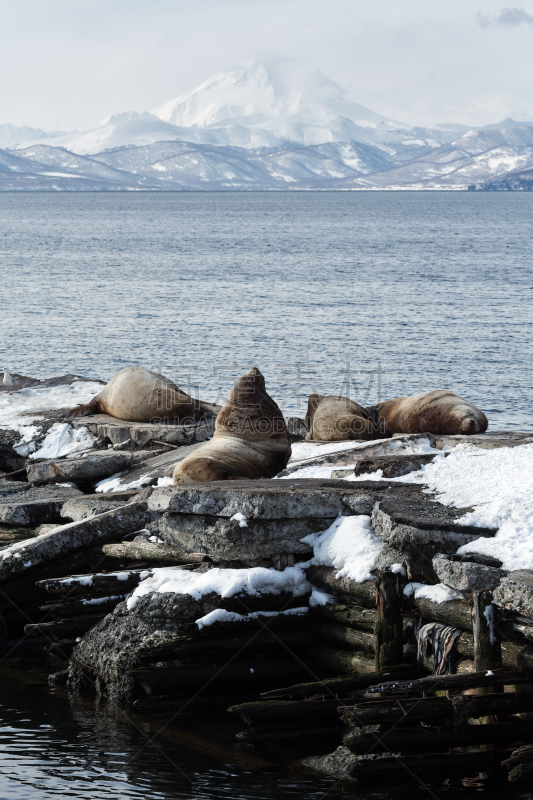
(439, 412)
(331, 418)
(250, 441)
(136, 394)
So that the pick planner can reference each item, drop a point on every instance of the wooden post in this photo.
(487, 645)
(389, 627)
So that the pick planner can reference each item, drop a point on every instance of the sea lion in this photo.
(250, 441)
(331, 418)
(438, 412)
(136, 394)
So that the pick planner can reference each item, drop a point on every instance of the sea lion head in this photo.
(250, 413)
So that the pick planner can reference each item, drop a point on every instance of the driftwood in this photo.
(336, 686)
(452, 682)
(101, 605)
(435, 739)
(248, 674)
(342, 661)
(63, 628)
(363, 619)
(45, 549)
(432, 709)
(281, 712)
(152, 551)
(324, 578)
(98, 583)
(345, 636)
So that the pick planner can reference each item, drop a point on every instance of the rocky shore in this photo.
(328, 608)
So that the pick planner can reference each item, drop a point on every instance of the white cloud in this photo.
(507, 17)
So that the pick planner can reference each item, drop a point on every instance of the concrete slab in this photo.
(276, 500)
(35, 505)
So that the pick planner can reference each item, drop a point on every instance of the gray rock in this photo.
(486, 441)
(405, 521)
(10, 460)
(392, 466)
(421, 527)
(148, 470)
(388, 557)
(223, 539)
(159, 625)
(12, 487)
(300, 498)
(297, 428)
(466, 574)
(515, 592)
(358, 451)
(99, 464)
(69, 538)
(34, 505)
(142, 434)
(80, 508)
(337, 764)
(95, 466)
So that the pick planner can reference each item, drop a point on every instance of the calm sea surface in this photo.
(371, 295)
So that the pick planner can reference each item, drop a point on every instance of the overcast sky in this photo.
(68, 64)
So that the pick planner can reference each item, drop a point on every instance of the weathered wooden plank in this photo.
(32, 553)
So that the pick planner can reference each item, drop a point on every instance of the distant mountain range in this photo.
(247, 128)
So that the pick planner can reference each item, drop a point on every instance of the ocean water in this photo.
(372, 295)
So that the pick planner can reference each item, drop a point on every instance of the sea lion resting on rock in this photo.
(136, 394)
(439, 412)
(250, 441)
(331, 418)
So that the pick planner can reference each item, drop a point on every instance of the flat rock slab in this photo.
(97, 465)
(352, 454)
(32, 553)
(8, 488)
(142, 434)
(391, 466)
(147, 472)
(301, 498)
(79, 508)
(224, 539)
(487, 441)
(515, 592)
(466, 574)
(35, 505)
(419, 522)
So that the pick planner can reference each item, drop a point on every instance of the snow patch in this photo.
(349, 544)
(498, 484)
(221, 615)
(63, 440)
(440, 593)
(241, 519)
(20, 410)
(254, 582)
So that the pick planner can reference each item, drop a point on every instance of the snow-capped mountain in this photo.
(286, 96)
(249, 127)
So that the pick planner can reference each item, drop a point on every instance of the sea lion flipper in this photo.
(83, 411)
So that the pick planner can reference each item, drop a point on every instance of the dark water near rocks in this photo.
(56, 746)
(376, 294)
(371, 295)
